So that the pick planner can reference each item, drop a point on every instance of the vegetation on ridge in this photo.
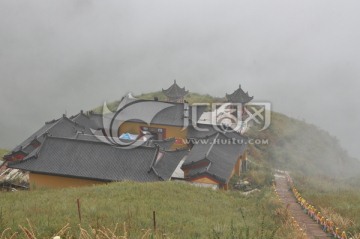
(323, 172)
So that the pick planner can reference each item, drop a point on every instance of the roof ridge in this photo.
(53, 121)
(211, 146)
(81, 113)
(39, 149)
(44, 133)
(175, 150)
(156, 173)
(93, 142)
(154, 158)
(62, 119)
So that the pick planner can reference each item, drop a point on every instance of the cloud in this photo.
(58, 56)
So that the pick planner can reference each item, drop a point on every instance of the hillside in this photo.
(294, 145)
(302, 148)
(182, 211)
(313, 156)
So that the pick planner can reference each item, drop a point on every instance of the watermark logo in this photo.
(235, 117)
(259, 113)
(223, 117)
(141, 111)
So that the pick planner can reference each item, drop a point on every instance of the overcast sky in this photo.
(63, 56)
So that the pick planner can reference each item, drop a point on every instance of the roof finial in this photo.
(239, 86)
(174, 81)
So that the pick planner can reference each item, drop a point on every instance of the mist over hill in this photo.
(293, 144)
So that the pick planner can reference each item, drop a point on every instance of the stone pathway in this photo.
(310, 227)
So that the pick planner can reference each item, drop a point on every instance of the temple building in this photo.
(239, 96)
(62, 127)
(169, 120)
(217, 160)
(65, 162)
(175, 93)
(175, 144)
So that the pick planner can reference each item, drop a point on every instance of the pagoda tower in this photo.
(239, 96)
(175, 93)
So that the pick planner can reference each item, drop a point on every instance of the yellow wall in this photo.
(205, 180)
(237, 168)
(171, 131)
(49, 181)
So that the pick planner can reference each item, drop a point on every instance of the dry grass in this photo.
(28, 232)
(337, 199)
(339, 220)
(183, 211)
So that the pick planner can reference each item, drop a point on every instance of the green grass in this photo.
(339, 199)
(182, 210)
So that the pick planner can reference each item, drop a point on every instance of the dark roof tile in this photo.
(239, 96)
(168, 162)
(90, 160)
(221, 151)
(62, 127)
(175, 91)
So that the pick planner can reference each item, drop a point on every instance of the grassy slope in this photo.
(337, 199)
(323, 170)
(183, 211)
(293, 144)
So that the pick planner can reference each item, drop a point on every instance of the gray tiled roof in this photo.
(87, 137)
(173, 115)
(62, 127)
(198, 171)
(163, 144)
(35, 135)
(162, 113)
(96, 120)
(175, 91)
(168, 162)
(239, 96)
(197, 134)
(219, 152)
(91, 160)
(85, 121)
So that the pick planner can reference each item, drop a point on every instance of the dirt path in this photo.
(310, 227)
